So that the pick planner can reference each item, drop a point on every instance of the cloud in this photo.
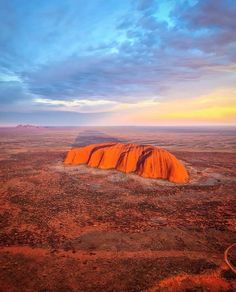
(111, 55)
(219, 15)
(110, 78)
(92, 106)
(81, 105)
(145, 4)
(11, 91)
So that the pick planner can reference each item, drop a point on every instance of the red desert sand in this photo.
(144, 160)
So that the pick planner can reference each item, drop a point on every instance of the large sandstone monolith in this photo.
(144, 160)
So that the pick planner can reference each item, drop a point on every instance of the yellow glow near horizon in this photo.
(217, 107)
(213, 113)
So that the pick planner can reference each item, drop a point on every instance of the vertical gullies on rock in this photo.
(144, 160)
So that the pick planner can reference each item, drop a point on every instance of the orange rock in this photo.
(144, 160)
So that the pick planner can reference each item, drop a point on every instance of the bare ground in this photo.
(82, 229)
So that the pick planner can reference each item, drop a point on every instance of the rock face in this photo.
(144, 160)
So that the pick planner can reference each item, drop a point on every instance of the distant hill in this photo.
(28, 126)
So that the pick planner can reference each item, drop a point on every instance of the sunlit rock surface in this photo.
(144, 160)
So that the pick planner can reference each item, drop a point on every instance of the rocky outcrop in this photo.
(28, 127)
(144, 160)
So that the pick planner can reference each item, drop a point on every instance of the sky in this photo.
(118, 62)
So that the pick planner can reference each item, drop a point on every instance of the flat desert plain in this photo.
(76, 228)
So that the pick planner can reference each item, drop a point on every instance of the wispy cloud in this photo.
(93, 106)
